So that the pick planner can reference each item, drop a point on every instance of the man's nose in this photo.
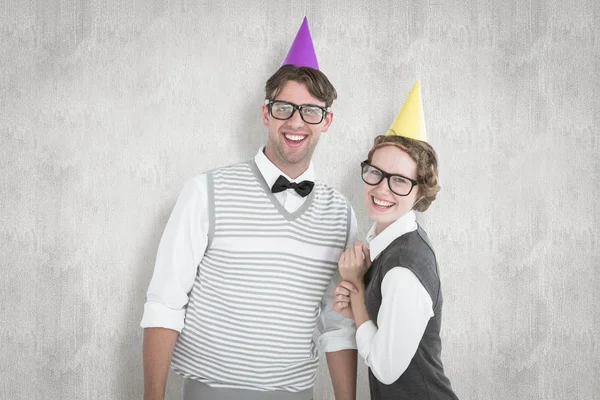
(296, 119)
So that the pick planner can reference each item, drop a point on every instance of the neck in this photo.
(293, 170)
(380, 227)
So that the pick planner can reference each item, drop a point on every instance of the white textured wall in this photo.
(106, 108)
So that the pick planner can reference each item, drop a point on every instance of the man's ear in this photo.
(265, 115)
(328, 121)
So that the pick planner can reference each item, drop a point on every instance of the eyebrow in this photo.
(304, 104)
(392, 173)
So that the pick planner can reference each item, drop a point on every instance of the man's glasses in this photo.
(310, 113)
(398, 184)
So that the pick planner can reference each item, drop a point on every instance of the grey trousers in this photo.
(194, 390)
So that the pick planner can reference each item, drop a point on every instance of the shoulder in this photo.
(412, 251)
(200, 182)
(195, 185)
(240, 167)
(327, 194)
(412, 245)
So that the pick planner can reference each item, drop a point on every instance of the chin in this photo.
(376, 217)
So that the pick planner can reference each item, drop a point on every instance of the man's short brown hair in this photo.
(427, 165)
(317, 83)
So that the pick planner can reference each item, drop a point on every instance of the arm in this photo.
(342, 370)
(338, 339)
(180, 250)
(158, 349)
(359, 308)
(404, 314)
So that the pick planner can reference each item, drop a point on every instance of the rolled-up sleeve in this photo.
(336, 331)
(181, 248)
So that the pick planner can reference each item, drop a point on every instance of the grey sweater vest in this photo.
(257, 295)
(424, 378)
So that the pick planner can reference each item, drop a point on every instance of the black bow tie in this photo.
(302, 188)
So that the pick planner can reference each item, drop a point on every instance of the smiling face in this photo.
(384, 206)
(291, 142)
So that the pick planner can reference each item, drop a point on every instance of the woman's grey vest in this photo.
(424, 378)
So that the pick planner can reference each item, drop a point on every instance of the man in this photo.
(247, 264)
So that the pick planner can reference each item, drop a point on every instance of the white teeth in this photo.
(382, 203)
(295, 138)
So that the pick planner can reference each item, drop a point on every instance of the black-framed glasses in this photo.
(398, 184)
(310, 113)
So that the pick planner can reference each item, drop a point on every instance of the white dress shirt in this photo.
(406, 308)
(185, 240)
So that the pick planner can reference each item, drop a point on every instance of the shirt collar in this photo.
(378, 243)
(270, 172)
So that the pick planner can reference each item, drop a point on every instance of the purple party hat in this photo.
(302, 52)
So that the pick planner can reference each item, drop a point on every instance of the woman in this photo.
(396, 302)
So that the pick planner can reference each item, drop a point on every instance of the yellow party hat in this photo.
(410, 121)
